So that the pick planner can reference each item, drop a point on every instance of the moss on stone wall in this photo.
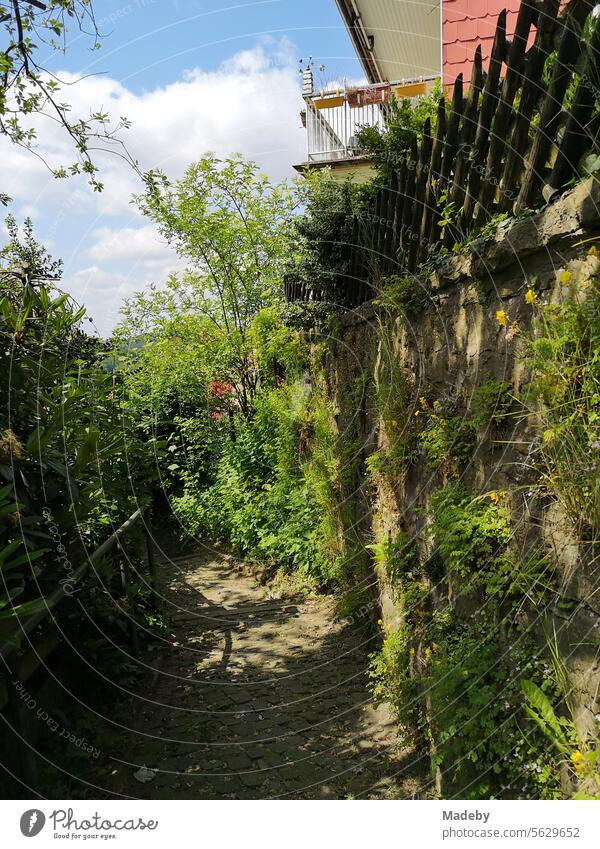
(469, 432)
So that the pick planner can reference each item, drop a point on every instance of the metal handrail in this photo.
(59, 595)
(332, 122)
(26, 766)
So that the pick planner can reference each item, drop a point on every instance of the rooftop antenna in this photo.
(306, 72)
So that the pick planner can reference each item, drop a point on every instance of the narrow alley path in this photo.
(254, 697)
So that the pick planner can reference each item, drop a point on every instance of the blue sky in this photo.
(192, 76)
(151, 42)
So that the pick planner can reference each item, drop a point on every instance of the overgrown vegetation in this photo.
(213, 394)
(404, 125)
(449, 438)
(564, 393)
(69, 456)
(270, 498)
(467, 670)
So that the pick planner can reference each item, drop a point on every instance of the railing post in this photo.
(131, 623)
(151, 556)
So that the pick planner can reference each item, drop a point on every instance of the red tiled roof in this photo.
(467, 23)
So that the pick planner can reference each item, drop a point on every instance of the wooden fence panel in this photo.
(486, 113)
(421, 183)
(569, 32)
(434, 173)
(465, 143)
(504, 112)
(448, 158)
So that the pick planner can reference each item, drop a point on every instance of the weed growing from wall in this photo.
(564, 394)
(449, 439)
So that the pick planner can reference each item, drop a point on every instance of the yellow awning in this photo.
(410, 90)
(328, 102)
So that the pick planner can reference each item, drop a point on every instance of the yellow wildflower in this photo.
(578, 761)
(417, 412)
(494, 496)
(501, 317)
(566, 277)
(411, 651)
(427, 652)
(593, 251)
(380, 622)
(531, 297)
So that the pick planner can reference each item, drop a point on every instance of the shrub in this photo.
(564, 396)
(449, 439)
(492, 403)
(405, 295)
(325, 232)
(469, 533)
(481, 742)
(392, 680)
(397, 556)
(271, 499)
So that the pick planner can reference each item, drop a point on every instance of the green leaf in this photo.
(26, 609)
(541, 711)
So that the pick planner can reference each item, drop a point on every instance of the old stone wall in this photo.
(390, 370)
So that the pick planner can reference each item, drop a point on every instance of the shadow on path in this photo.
(254, 697)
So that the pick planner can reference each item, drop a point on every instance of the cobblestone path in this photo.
(254, 697)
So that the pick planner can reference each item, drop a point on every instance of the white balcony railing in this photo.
(334, 118)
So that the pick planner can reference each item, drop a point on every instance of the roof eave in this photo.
(356, 32)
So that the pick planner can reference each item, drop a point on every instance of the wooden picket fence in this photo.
(509, 143)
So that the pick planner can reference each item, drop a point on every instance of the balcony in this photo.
(334, 118)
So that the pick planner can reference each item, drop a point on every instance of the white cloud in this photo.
(249, 105)
(139, 245)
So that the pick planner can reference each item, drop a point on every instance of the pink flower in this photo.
(220, 389)
(215, 416)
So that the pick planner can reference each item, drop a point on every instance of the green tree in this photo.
(233, 228)
(325, 231)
